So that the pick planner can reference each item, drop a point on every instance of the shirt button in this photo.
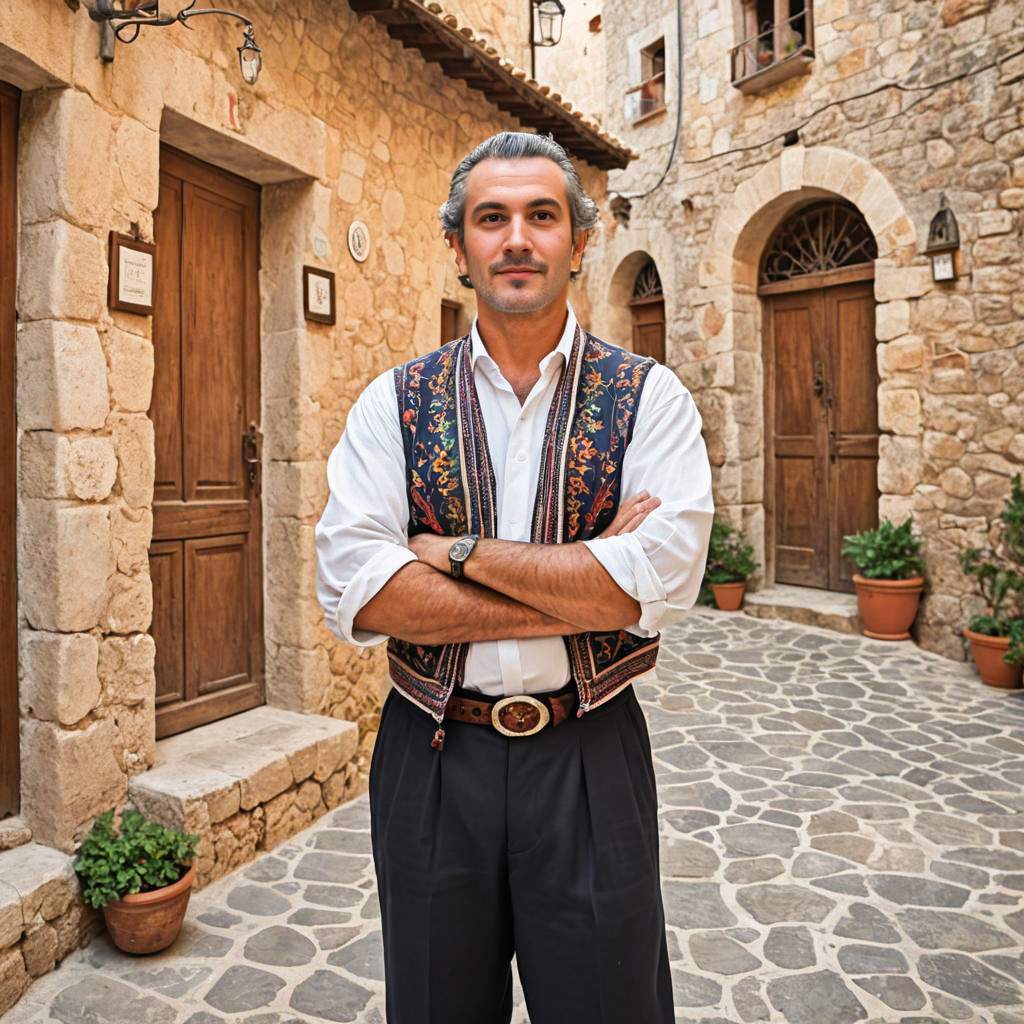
(520, 456)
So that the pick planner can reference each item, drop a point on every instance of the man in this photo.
(520, 512)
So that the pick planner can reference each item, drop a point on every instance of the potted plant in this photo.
(890, 579)
(730, 564)
(141, 877)
(997, 635)
(793, 41)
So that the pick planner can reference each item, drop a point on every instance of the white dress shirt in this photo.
(362, 539)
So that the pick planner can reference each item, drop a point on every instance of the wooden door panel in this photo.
(167, 571)
(165, 408)
(207, 522)
(800, 513)
(9, 755)
(216, 582)
(215, 351)
(853, 484)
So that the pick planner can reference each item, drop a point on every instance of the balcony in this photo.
(781, 50)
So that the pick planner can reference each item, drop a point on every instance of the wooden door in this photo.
(206, 559)
(9, 773)
(449, 320)
(649, 327)
(822, 418)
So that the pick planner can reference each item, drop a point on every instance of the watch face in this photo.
(460, 550)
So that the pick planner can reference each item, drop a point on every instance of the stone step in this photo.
(248, 782)
(826, 609)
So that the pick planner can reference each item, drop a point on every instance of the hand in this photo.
(632, 512)
(432, 549)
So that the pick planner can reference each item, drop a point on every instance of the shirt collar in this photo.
(563, 348)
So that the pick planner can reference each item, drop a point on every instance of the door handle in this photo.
(819, 379)
(252, 457)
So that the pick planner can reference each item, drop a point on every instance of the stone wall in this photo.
(344, 123)
(904, 100)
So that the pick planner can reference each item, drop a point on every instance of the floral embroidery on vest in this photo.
(452, 491)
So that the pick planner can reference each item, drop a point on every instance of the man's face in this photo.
(518, 249)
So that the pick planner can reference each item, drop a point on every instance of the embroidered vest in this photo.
(452, 491)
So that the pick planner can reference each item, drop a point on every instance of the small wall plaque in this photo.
(318, 295)
(131, 274)
(358, 240)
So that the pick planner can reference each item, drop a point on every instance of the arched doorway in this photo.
(817, 285)
(647, 307)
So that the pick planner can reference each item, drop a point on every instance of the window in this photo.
(648, 97)
(777, 41)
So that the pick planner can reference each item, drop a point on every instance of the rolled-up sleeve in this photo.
(361, 538)
(661, 563)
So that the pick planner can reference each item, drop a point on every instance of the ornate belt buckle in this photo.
(521, 715)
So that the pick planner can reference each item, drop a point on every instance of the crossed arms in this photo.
(641, 574)
(509, 590)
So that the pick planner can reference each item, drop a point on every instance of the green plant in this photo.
(143, 856)
(888, 552)
(999, 571)
(730, 558)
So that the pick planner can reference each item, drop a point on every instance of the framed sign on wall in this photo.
(318, 295)
(131, 274)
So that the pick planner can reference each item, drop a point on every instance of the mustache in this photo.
(499, 268)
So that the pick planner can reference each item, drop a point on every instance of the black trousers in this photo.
(545, 846)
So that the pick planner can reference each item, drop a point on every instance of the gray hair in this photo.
(583, 212)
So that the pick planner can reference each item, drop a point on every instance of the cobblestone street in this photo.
(843, 840)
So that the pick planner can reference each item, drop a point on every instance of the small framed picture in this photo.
(318, 295)
(132, 265)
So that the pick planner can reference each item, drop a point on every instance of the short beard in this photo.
(554, 283)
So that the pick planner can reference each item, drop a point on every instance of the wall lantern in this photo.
(123, 19)
(545, 27)
(943, 241)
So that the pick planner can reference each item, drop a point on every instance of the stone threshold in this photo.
(248, 782)
(807, 606)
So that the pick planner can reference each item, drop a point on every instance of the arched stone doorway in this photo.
(816, 282)
(647, 308)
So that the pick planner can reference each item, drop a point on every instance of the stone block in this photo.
(129, 606)
(14, 979)
(994, 222)
(892, 319)
(900, 466)
(190, 796)
(42, 465)
(137, 153)
(63, 273)
(136, 457)
(91, 468)
(66, 560)
(13, 832)
(902, 283)
(298, 678)
(899, 410)
(956, 483)
(297, 362)
(906, 353)
(131, 531)
(11, 919)
(296, 489)
(1012, 198)
(39, 948)
(130, 377)
(43, 878)
(62, 377)
(69, 778)
(60, 682)
(64, 132)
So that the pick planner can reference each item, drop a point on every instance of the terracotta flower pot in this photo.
(988, 654)
(146, 922)
(729, 596)
(888, 607)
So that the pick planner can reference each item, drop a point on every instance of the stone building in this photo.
(161, 470)
(772, 235)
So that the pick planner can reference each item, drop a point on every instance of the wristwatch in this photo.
(460, 551)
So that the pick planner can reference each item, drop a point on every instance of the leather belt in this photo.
(521, 715)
